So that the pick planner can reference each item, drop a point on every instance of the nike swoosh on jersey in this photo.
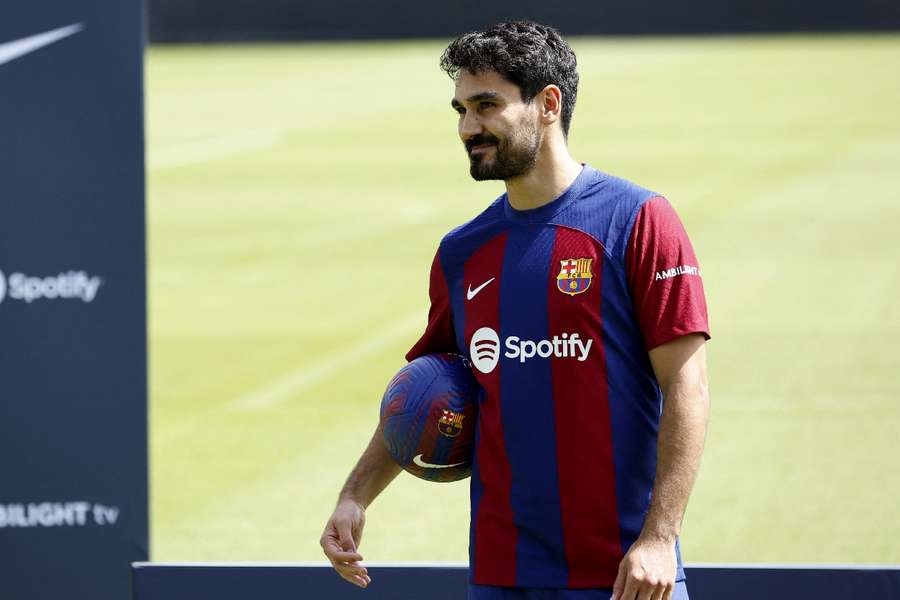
(418, 460)
(10, 51)
(470, 293)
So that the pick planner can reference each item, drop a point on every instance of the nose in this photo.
(469, 125)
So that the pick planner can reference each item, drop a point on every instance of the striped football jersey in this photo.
(557, 308)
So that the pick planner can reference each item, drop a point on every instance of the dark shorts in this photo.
(488, 592)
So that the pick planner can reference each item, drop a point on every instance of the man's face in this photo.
(499, 131)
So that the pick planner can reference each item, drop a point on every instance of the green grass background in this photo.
(297, 194)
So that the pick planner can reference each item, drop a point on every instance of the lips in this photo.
(481, 149)
(480, 144)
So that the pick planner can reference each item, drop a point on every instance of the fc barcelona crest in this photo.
(574, 275)
(451, 424)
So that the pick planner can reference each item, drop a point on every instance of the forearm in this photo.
(372, 473)
(682, 433)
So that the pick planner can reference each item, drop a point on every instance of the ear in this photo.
(550, 104)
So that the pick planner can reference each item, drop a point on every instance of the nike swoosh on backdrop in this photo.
(10, 51)
(470, 293)
(418, 460)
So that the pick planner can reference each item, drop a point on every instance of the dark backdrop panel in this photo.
(73, 383)
(223, 20)
(235, 582)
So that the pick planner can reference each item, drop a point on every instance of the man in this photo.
(589, 437)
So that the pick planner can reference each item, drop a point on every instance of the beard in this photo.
(514, 155)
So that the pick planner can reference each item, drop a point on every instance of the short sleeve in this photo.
(664, 276)
(438, 336)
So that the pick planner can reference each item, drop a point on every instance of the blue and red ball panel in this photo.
(428, 416)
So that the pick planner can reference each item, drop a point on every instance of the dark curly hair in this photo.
(525, 53)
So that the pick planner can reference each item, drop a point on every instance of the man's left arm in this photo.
(648, 570)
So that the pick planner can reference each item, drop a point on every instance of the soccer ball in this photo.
(428, 416)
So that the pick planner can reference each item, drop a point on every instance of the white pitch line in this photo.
(212, 149)
(293, 383)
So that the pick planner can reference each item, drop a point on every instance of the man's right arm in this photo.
(343, 532)
(376, 469)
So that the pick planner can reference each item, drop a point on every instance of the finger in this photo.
(619, 584)
(348, 577)
(658, 592)
(360, 578)
(669, 591)
(334, 553)
(331, 542)
(351, 571)
(360, 581)
(650, 586)
(339, 556)
(363, 580)
(345, 537)
(353, 576)
(645, 591)
(631, 589)
(356, 580)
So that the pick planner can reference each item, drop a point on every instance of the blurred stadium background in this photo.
(297, 194)
(302, 164)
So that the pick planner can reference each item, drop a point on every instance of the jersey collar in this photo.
(544, 213)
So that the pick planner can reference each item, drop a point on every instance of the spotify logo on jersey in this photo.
(484, 348)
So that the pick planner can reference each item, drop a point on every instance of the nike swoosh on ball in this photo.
(418, 460)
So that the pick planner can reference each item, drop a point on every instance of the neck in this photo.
(554, 171)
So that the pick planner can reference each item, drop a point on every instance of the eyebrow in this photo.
(489, 95)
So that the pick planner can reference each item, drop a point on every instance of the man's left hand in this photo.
(647, 572)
